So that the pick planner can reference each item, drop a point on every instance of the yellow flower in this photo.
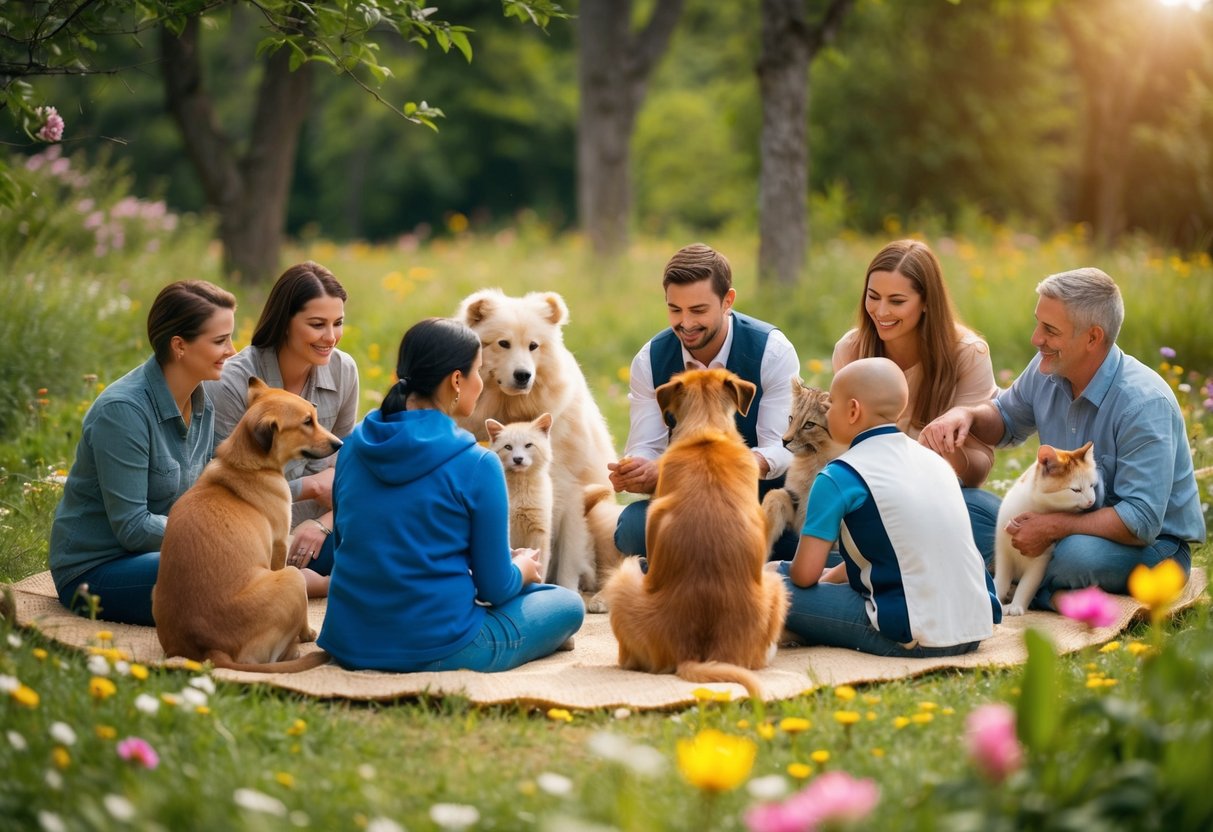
(104, 635)
(871, 716)
(820, 756)
(101, 688)
(1157, 588)
(284, 778)
(190, 664)
(105, 732)
(766, 730)
(794, 724)
(799, 770)
(60, 757)
(846, 717)
(878, 753)
(927, 706)
(1137, 648)
(708, 695)
(25, 696)
(624, 374)
(1094, 682)
(922, 717)
(202, 709)
(948, 711)
(1110, 647)
(39, 654)
(559, 715)
(139, 672)
(297, 729)
(845, 692)
(815, 365)
(901, 722)
(743, 724)
(715, 761)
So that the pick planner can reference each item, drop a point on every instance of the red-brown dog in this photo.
(706, 609)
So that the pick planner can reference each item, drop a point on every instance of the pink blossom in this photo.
(138, 751)
(1092, 606)
(993, 746)
(52, 124)
(1167, 352)
(834, 798)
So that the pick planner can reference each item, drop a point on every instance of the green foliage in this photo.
(1036, 714)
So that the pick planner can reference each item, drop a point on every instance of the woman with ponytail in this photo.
(424, 577)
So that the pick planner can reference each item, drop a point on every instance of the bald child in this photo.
(911, 581)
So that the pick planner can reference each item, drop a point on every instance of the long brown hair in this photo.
(292, 290)
(938, 328)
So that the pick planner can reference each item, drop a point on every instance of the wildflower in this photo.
(1110, 647)
(255, 801)
(922, 717)
(766, 730)
(101, 688)
(901, 722)
(559, 715)
(366, 771)
(833, 799)
(715, 761)
(621, 713)
(771, 787)
(709, 695)
(381, 824)
(878, 753)
(138, 751)
(8, 684)
(98, 665)
(1091, 606)
(1157, 588)
(105, 732)
(147, 704)
(119, 807)
(845, 692)
(454, 815)
(846, 717)
(1137, 648)
(298, 728)
(63, 733)
(799, 770)
(53, 779)
(645, 761)
(820, 756)
(139, 671)
(25, 696)
(39, 653)
(554, 784)
(60, 757)
(794, 725)
(104, 635)
(927, 706)
(51, 130)
(285, 779)
(14, 641)
(17, 741)
(192, 666)
(1166, 352)
(992, 744)
(50, 822)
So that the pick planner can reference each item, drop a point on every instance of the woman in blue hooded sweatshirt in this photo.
(423, 575)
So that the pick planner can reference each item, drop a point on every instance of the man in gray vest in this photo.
(705, 332)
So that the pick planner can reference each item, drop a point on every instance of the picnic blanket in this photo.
(587, 677)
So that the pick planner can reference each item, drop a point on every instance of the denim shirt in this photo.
(332, 388)
(1141, 441)
(134, 459)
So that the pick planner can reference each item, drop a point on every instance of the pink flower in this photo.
(1092, 606)
(993, 746)
(52, 124)
(138, 751)
(1166, 352)
(834, 798)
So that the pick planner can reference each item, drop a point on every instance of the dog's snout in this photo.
(517, 460)
(336, 443)
(522, 377)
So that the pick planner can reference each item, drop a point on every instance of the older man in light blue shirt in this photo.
(1082, 387)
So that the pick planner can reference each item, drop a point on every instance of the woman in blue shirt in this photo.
(294, 347)
(144, 441)
(424, 578)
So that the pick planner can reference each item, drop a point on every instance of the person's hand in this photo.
(305, 544)
(633, 474)
(764, 467)
(527, 561)
(319, 487)
(947, 432)
(1031, 533)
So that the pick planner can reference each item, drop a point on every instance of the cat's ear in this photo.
(493, 427)
(1046, 457)
(1087, 452)
(544, 423)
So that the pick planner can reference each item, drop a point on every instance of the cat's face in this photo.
(807, 432)
(521, 446)
(1067, 480)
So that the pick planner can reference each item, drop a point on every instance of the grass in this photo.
(340, 765)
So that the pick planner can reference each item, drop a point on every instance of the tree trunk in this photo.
(249, 193)
(614, 65)
(789, 43)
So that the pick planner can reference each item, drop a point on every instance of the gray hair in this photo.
(1090, 296)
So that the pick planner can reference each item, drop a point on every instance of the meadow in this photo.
(1117, 738)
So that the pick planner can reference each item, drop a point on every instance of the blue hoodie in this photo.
(422, 533)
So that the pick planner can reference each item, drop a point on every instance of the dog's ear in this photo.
(263, 433)
(742, 392)
(544, 423)
(477, 307)
(553, 308)
(255, 388)
(668, 393)
(493, 427)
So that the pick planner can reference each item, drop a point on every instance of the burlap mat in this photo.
(587, 677)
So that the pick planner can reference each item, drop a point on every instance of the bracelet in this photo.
(327, 531)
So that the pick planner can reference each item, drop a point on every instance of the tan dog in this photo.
(706, 609)
(223, 592)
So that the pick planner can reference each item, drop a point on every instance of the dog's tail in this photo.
(305, 662)
(721, 672)
(602, 515)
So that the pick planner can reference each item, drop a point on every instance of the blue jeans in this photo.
(322, 564)
(629, 534)
(124, 586)
(529, 626)
(834, 615)
(1082, 560)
